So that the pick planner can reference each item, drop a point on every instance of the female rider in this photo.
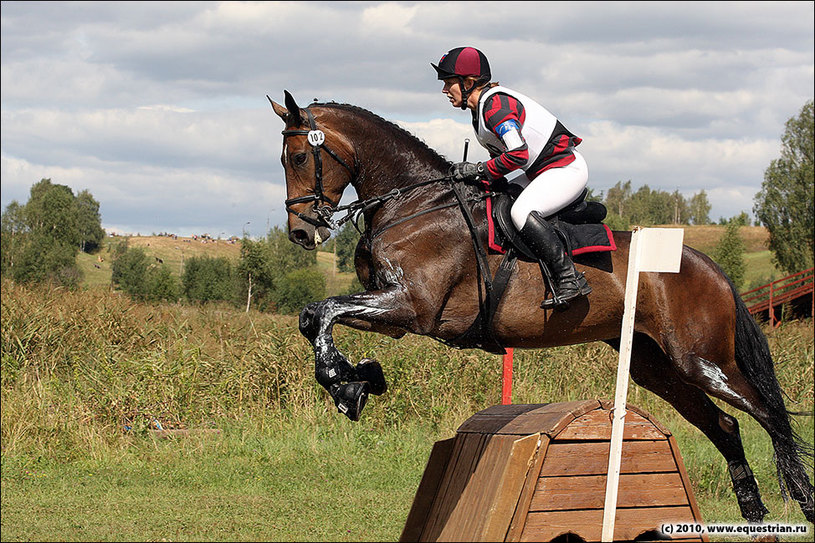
(528, 147)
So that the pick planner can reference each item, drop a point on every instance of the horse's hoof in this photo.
(370, 370)
(350, 398)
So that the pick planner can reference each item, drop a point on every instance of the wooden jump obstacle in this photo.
(537, 472)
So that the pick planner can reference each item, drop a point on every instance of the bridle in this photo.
(316, 139)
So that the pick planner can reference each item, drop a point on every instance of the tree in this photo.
(742, 219)
(700, 208)
(12, 231)
(253, 274)
(41, 258)
(207, 279)
(162, 285)
(40, 239)
(298, 288)
(681, 210)
(50, 210)
(729, 254)
(264, 263)
(89, 222)
(785, 203)
(617, 197)
(142, 280)
(129, 273)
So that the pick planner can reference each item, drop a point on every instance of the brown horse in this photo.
(416, 259)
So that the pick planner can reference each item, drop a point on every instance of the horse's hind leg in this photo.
(653, 370)
(742, 374)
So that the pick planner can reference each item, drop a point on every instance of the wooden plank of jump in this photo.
(518, 523)
(526, 419)
(638, 457)
(428, 487)
(588, 492)
(462, 464)
(596, 425)
(509, 485)
(628, 524)
(469, 518)
(478, 505)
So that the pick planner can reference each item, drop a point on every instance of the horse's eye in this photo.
(300, 159)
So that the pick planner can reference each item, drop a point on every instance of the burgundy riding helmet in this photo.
(463, 62)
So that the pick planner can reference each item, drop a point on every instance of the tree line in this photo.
(646, 207)
(41, 239)
(272, 274)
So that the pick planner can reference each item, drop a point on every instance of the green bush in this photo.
(133, 273)
(729, 254)
(208, 279)
(129, 273)
(163, 286)
(42, 258)
(298, 288)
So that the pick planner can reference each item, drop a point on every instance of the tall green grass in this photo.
(87, 374)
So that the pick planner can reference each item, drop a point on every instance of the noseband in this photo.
(316, 138)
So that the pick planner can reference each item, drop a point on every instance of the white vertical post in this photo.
(651, 249)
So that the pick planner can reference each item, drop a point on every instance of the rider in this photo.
(528, 147)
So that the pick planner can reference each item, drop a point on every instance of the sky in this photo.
(159, 109)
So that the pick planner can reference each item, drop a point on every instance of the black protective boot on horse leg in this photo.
(351, 396)
(348, 385)
(567, 283)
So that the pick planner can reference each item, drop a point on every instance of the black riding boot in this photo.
(539, 236)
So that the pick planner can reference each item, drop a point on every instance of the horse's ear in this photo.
(281, 111)
(294, 118)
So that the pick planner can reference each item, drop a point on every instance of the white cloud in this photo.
(388, 19)
(448, 138)
(142, 100)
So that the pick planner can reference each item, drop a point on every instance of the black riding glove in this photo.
(468, 172)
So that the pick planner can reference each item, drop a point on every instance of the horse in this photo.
(418, 261)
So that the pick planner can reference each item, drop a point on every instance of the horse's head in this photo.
(314, 180)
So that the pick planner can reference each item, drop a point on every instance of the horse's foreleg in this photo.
(348, 385)
(652, 369)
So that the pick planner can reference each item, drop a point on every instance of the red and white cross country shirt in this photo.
(519, 133)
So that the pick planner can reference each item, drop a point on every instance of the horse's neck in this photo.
(390, 161)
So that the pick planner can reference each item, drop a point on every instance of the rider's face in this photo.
(452, 89)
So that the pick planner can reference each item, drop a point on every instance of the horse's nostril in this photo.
(298, 236)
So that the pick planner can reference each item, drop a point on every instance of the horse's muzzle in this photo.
(308, 236)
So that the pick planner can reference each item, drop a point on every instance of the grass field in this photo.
(86, 375)
(282, 480)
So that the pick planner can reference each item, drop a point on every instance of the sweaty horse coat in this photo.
(693, 337)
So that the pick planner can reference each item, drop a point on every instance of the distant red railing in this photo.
(774, 295)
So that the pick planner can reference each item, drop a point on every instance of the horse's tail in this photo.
(755, 362)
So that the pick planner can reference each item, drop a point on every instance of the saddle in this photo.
(580, 227)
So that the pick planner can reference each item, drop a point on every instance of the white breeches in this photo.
(551, 191)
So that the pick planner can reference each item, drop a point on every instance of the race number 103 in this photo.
(680, 529)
